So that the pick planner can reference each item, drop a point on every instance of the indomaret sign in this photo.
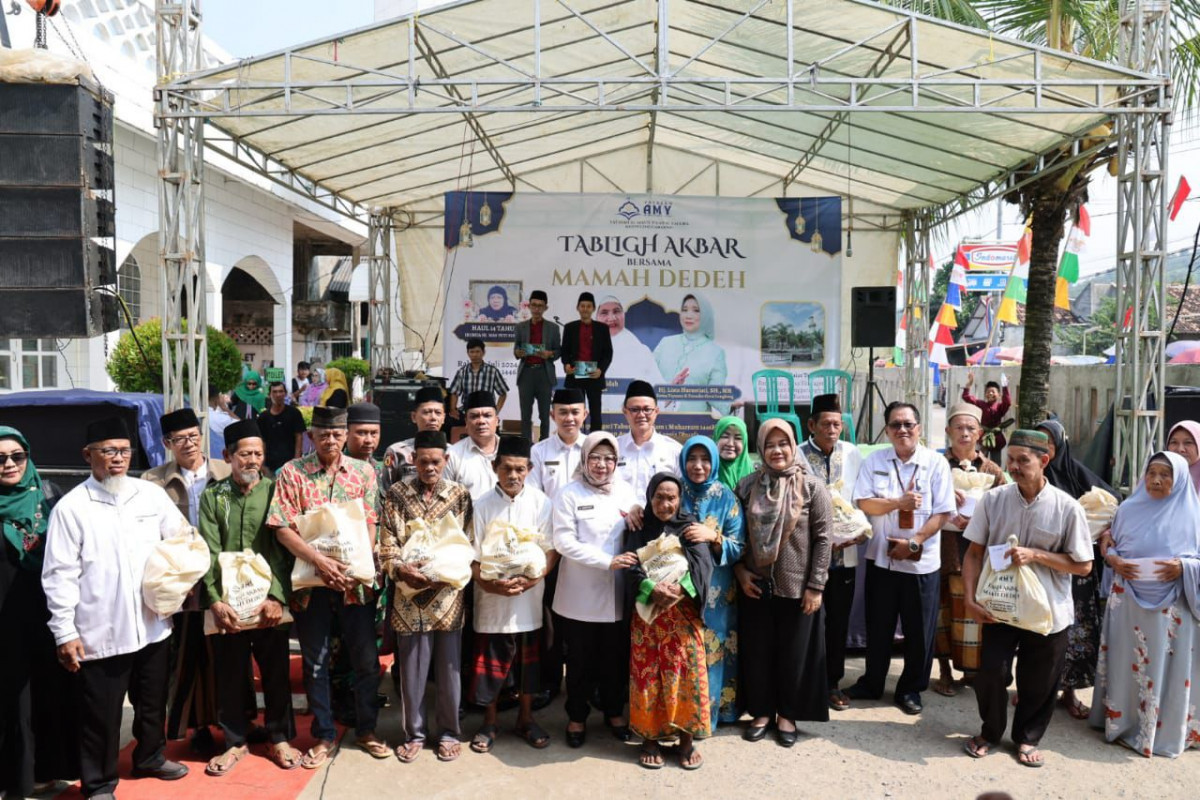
(698, 293)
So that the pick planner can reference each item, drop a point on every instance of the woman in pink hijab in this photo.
(1184, 439)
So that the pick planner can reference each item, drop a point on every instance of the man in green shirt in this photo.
(233, 514)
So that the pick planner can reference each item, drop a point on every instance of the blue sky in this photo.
(247, 29)
(795, 315)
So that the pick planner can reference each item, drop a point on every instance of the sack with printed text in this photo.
(663, 561)
(510, 551)
(338, 531)
(1100, 507)
(442, 552)
(173, 568)
(245, 585)
(1015, 596)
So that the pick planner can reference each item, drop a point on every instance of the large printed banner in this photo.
(698, 293)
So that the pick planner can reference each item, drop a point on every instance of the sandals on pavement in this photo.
(318, 754)
(224, 763)
(484, 739)
(1075, 708)
(284, 755)
(977, 747)
(651, 756)
(944, 687)
(408, 752)
(448, 749)
(691, 758)
(534, 734)
(838, 700)
(373, 747)
(1029, 756)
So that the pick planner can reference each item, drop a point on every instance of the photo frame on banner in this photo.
(698, 293)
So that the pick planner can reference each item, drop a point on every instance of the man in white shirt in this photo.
(553, 460)
(100, 535)
(193, 699)
(1054, 541)
(470, 459)
(908, 494)
(219, 419)
(643, 453)
(428, 414)
(508, 609)
(631, 358)
(837, 462)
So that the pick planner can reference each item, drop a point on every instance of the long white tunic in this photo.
(589, 528)
(530, 509)
(96, 551)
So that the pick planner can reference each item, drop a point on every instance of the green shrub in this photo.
(352, 367)
(133, 374)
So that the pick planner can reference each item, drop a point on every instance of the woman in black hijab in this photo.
(668, 668)
(1083, 639)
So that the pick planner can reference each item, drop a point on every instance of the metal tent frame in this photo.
(368, 123)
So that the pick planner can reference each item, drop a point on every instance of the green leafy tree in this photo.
(1088, 29)
(134, 373)
(352, 367)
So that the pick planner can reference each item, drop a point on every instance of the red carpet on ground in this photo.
(254, 776)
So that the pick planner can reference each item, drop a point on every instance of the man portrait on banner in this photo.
(631, 358)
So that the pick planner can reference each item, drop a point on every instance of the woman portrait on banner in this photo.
(719, 525)
(781, 632)
(668, 678)
(498, 308)
(693, 358)
(38, 742)
(1149, 668)
(1068, 474)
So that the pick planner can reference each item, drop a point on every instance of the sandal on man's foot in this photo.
(690, 759)
(534, 734)
(373, 746)
(448, 749)
(284, 755)
(224, 763)
(1029, 756)
(977, 747)
(944, 687)
(484, 738)
(408, 752)
(651, 756)
(318, 754)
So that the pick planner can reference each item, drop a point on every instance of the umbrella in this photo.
(1013, 354)
(1181, 346)
(988, 356)
(1186, 357)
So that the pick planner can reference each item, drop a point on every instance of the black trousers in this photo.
(231, 656)
(593, 390)
(838, 600)
(104, 682)
(1040, 662)
(914, 599)
(597, 657)
(781, 665)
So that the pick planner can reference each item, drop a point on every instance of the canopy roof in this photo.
(846, 97)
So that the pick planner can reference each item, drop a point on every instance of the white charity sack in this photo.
(443, 552)
(172, 570)
(972, 484)
(510, 551)
(849, 521)
(1100, 507)
(1015, 596)
(338, 531)
(245, 585)
(663, 561)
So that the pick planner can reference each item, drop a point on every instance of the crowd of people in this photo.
(676, 588)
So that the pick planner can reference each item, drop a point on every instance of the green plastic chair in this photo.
(774, 401)
(841, 383)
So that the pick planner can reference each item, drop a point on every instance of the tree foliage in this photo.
(352, 367)
(132, 373)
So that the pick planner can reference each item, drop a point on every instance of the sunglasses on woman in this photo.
(18, 458)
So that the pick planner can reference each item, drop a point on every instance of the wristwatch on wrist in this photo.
(914, 546)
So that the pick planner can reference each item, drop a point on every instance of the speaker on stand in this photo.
(872, 324)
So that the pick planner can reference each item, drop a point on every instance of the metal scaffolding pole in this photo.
(381, 272)
(1142, 243)
(181, 211)
(916, 301)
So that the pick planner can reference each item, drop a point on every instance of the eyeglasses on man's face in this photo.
(191, 438)
(113, 452)
(903, 426)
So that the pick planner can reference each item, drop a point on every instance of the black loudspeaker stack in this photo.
(57, 218)
(396, 400)
(873, 316)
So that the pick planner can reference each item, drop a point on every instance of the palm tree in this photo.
(1083, 27)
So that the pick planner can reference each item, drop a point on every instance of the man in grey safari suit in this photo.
(536, 376)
